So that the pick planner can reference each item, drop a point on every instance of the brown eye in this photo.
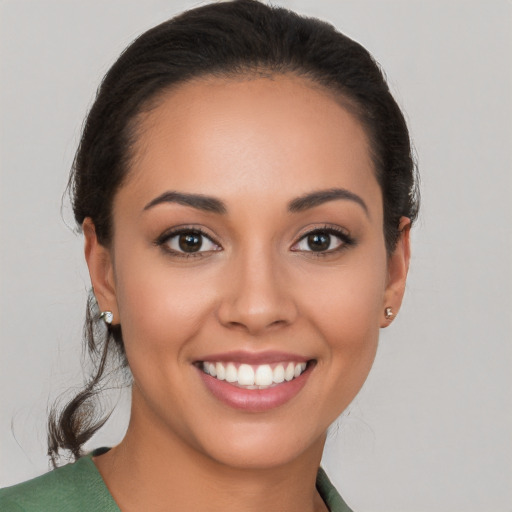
(187, 242)
(319, 241)
(323, 241)
(190, 242)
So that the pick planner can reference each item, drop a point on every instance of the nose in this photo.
(257, 294)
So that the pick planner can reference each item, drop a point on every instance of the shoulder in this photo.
(76, 486)
(329, 494)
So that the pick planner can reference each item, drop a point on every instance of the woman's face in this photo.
(248, 267)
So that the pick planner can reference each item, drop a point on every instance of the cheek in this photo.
(348, 299)
(346, 310)
(160, 306)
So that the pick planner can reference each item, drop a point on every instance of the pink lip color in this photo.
(254, 358)
(255, 400)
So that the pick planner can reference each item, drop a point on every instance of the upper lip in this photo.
(255, 358)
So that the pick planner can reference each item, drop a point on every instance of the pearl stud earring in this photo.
(107, 317)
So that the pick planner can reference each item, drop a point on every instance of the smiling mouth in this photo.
(247, 376)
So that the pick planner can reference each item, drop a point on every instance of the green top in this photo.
(79, 487)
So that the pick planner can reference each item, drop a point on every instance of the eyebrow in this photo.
(198, 201)
(214, 205)
(319, 197)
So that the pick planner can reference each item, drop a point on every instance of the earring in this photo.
(107, 317)
(388, 313)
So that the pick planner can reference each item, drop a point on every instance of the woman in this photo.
(245, 188)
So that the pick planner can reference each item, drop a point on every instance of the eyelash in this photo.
(163, 241)
(346, 240)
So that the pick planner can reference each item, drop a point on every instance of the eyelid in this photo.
(163, 239)
(342, 234)
(346, 239)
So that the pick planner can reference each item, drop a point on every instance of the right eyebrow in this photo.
(319, 197)
(198, 201)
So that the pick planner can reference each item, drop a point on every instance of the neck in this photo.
(154, 470)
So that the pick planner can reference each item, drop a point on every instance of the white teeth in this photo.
(246, 375)
(254, 376)
(278, 374)
(289, 372)
(299, 368)
(231, 373)
(264, 375)
(220, 370)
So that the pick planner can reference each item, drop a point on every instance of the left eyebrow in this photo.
(319, 197)
(198, 201)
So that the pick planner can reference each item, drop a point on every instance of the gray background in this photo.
(431, 429)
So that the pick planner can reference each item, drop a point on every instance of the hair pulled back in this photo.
(228, 39)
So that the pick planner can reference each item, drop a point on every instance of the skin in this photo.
(255, 144)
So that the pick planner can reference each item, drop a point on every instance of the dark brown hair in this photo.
(225, 39)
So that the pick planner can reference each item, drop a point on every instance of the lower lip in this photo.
(255, 400)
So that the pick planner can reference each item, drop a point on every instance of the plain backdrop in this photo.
(432, 427)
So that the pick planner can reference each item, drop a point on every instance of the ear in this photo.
(101, 270)
(398, 266)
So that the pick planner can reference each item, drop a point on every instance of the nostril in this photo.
(278, 323)
(254, 326)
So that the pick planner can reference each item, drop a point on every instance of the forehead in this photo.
(236, 138)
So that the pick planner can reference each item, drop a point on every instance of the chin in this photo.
(262, 444)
